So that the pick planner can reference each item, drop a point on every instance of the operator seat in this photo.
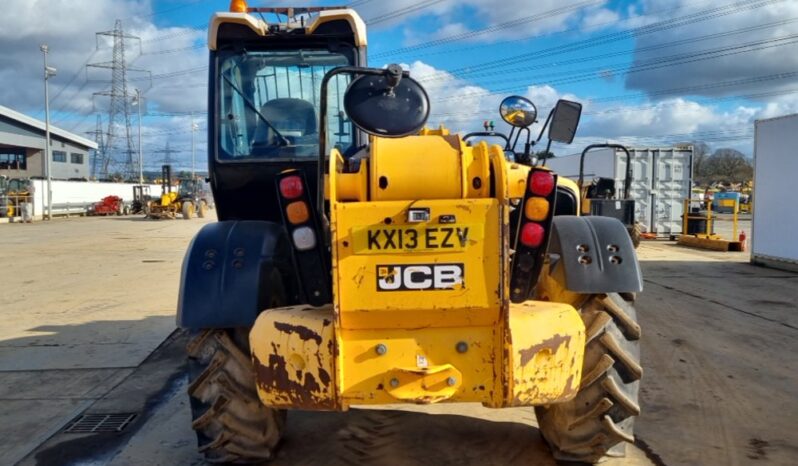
(601, 188)
(293, 118)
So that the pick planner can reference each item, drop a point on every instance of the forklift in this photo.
(171, 203)
(601, 198)
(141, 199)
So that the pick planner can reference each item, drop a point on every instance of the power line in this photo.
(703, 15)
(403, 11)
(488, 29)
(169, 10)
(679, 59)
(580, 28)
(197, 28)
(595, 57)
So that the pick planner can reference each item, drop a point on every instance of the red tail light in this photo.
(541, 183)
(291, 187)
(532, 235)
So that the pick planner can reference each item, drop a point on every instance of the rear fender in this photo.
(225, 271)
(596, 253)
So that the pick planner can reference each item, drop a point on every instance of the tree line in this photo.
(722, 166)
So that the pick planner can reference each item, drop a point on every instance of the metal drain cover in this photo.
(92, 423)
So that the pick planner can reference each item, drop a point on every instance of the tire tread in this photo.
(231, 423)
(599, 420)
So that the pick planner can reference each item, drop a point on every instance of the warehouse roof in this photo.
(38, 124)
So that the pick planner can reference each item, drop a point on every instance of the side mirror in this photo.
(564, 121)
(382, 102)
(390, 104)
(518, 111)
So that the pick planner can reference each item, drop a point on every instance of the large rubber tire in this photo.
(231, 423)
(203, 209)
(188, 210)
(599, 421)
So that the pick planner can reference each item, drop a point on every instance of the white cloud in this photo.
(701, 71)
(69, 30)
(412, 37)
(599, 18)
(526, 18)
(462, 107)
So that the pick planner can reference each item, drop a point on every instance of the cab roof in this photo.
(262, 28)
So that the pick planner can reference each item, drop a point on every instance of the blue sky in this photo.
(649, 72)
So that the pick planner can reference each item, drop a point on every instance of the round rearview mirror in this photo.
(518, 111)
(382, 110)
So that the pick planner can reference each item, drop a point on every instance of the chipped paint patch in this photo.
(301, 391)
(552, 344)
(303, 332)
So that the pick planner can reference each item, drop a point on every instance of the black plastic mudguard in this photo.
(597, 254)
(222, 283)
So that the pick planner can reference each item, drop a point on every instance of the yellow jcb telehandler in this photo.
(388, 263)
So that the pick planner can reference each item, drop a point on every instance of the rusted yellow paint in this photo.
(397, 336)
(533, 358)
(293, 353)
(546, 346)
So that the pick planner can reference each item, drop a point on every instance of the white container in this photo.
(661, 181)
(74, 197)
(775, 220)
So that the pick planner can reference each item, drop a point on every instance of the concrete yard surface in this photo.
(719, 353)
(84, 302)
(89, 329)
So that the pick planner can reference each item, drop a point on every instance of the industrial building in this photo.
(22, 149)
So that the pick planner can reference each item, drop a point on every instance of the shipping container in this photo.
(75, 197)
(661, 181)
(775, 170)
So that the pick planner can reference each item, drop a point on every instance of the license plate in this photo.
(421, 238)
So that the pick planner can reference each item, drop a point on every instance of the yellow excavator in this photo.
(362, 259)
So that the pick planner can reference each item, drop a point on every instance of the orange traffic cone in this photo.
(741, 239)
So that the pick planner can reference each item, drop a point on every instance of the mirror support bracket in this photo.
(393, 74)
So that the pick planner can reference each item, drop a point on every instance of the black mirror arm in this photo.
(509, 145)
(546, 154)
(527, 146)
(393, 76)
(545, 125)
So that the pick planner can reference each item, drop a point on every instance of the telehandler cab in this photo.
(389, 269)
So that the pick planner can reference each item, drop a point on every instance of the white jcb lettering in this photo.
(417, 277)
(420, 277)
(448, 276)
(389, 278)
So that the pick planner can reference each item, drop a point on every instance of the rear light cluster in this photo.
(533, 231)
(304, 232)
(297, 213)
(291, 187)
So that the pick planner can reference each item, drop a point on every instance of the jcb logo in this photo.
(417, 277)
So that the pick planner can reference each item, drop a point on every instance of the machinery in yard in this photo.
(185, 201)
(399, 266)
(601, 196)
(195, 192)
(109, 205)
(16, 197)
(141, 199)
(6, 207)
